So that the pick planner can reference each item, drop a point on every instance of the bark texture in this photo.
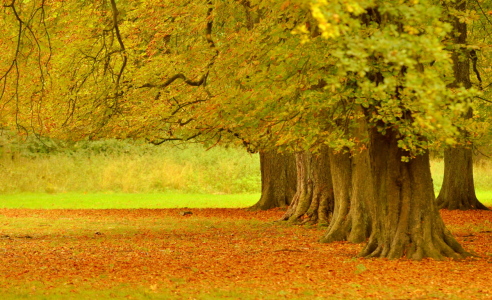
(323, 199)
(278, 180)
(458, 188)
(313, 201)
(405, 217)
(353, 190)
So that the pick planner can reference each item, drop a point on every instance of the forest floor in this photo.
(220, 254)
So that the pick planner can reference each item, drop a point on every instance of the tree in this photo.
(354, 192)
(387, 58)
(293, 76)
(405, 219)
(314, 197)
(458, 188)
(278, 180)
(26, 57)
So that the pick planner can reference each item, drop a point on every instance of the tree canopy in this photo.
(284, 74)
(373, 77)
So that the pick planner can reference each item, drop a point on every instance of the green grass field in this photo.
(482, 179)
(125, 201)
(120, 174)
(152, 200)
(117, 167)
(485, 197)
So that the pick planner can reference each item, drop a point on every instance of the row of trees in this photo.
(343, 99)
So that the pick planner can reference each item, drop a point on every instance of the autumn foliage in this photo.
(222, 253)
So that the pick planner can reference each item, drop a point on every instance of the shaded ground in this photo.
(220, 253)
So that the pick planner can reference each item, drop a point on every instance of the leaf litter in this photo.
(227, 250)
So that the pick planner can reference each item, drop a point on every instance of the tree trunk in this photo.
(458, 188)
(352, 186)
(353, 189)
(278, 180)
(405, 217)
(313, 200)
(323, 199)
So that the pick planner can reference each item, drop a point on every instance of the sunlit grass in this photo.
(115, 174)
(190, 169)
(125, 201)
(485, 197)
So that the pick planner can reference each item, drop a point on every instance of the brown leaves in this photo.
(226, 250)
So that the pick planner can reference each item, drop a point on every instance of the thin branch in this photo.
(483, 99)
(174, 78)
(175, 139)
(120, 42)
(203, 79)
(483, 12)
(181, 106)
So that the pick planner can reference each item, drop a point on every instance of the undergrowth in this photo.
(120, 166)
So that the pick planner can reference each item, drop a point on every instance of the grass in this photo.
(116, 174)
(485, 197)
(125, 168)
(125, 201)
(125, 291)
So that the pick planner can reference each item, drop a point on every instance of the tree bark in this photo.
(405, 217)
(313, 201)
(458, 188)
(278, 180)
(323, 198)
(353, 190)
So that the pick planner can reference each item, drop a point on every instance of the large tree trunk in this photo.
(458, 188)
(278, 180)
(313, 201)
(405, 217)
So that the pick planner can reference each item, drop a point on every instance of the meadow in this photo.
(120, 174)
(113, 166)
(482, 175)
(105, 220)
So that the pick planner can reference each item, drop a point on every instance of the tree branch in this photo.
(120, 42)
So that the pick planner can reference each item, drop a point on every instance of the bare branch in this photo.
(120, 42)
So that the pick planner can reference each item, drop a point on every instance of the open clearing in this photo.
(219, 254)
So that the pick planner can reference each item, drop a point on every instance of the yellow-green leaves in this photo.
(465, 16)
(332, 16)
(291, 74)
